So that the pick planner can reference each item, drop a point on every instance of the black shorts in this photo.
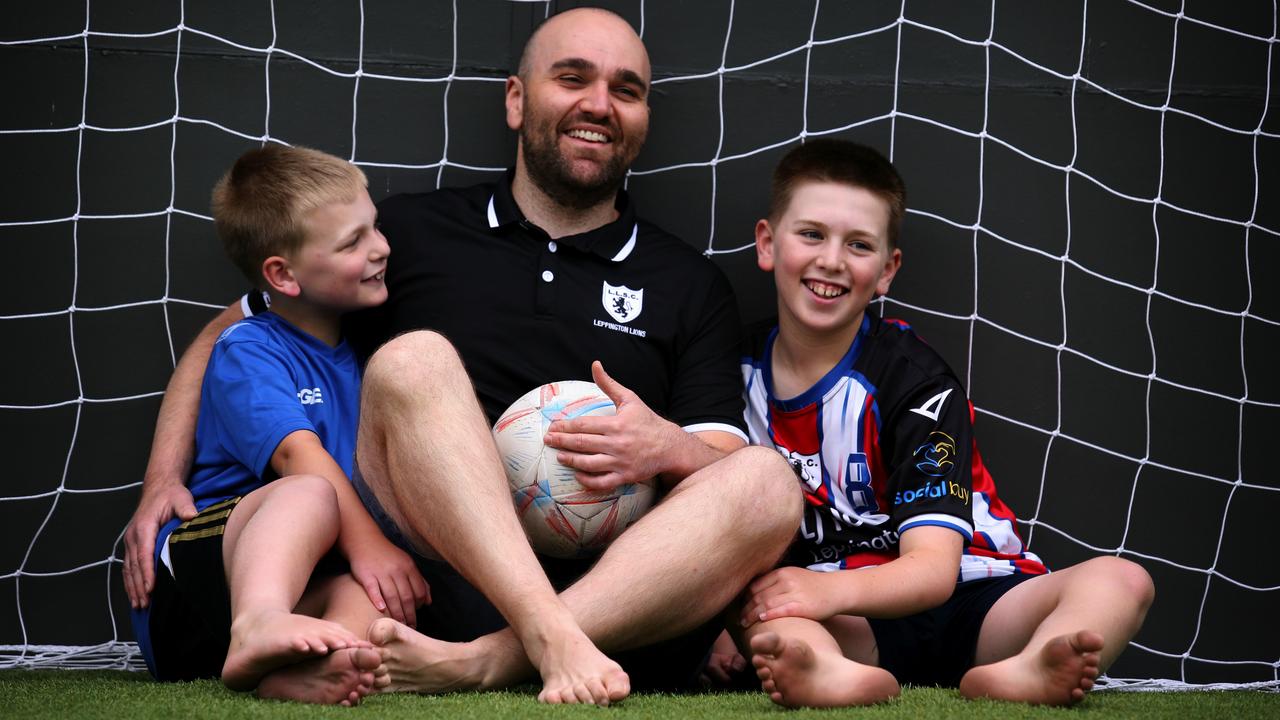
(191, 608)
(459, 612)
(937, 647)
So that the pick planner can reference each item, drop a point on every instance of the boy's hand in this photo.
(154, 509)
(723, 663)
(391, 579)
(608, 451)
(791, 592)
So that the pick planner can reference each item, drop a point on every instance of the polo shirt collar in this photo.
(613, 241)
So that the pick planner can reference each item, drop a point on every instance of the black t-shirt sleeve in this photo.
(707, 389)
(928, 443)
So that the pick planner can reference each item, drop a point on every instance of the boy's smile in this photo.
(830, 256)
(342, 263)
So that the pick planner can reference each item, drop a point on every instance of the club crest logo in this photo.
(621, 302)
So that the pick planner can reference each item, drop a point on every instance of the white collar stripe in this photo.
(493, 215)
(631, 245)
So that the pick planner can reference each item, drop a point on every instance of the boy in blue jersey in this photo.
(907, 567)
(250, 588)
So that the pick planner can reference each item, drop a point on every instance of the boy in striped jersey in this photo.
(907, 567)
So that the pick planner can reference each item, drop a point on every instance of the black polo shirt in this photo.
(523, 309)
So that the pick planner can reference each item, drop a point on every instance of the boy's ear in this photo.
(515, 102)
(278, 273)
(890, 271)
(764, 245)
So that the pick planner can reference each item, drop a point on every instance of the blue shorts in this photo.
(937, 647)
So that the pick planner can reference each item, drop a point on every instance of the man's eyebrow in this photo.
(573, 63)
(625, 75)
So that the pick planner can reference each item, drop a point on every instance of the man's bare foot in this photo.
(575, 671)
(1060, 673)
(793, 675)
(417, 663)
(339, 678)
(265, 641)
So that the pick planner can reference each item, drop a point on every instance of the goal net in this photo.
(1092, 234)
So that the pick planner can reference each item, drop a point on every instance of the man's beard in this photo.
(553, 174)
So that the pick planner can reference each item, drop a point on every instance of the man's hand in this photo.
(607, 451)
(154, 510)
(792, 592)
(391, 580)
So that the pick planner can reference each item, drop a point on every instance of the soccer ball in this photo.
(561, 517)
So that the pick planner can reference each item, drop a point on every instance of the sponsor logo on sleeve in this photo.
(934, 457)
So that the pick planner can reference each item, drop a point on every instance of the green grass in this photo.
(113, 694)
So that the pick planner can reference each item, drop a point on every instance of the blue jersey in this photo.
(881, 444)
(265, 379)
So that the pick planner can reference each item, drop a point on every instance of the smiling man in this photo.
(499, 288)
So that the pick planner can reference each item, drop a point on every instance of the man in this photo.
(517, 277)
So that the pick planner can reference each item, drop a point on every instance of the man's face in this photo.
(581, 107)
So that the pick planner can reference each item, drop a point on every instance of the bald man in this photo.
(547, 275)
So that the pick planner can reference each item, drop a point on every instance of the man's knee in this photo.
(414, 360)
(770, 488)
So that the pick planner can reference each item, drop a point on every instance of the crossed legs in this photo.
(668, 573)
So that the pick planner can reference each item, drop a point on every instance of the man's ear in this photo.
(764, 245)
(278, 273)
(515, 102)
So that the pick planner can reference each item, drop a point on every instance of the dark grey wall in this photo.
(1116, 347)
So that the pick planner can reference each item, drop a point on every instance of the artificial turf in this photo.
(117, 694)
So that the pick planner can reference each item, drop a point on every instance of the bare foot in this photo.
(575, 671)
(417, 663)
(340, 678)
(1060, 673)
(265, 641)
(793, 675)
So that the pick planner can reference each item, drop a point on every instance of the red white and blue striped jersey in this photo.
(881, 444)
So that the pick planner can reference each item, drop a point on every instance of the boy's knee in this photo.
(310, 491)
(1129, 576)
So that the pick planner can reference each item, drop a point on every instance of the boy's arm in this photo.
(389, 576)
(164, 490)
(923, 576)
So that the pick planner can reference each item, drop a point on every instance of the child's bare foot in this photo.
(265, 641)
(1060, 673)
(340, 678)
(793, 675)
(417, 663)
(575, 671)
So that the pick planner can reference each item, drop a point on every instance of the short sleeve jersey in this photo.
(883, 443)
(523, 309)
(265, 380)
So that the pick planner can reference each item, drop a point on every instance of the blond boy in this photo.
(907, 567)
(247, 588)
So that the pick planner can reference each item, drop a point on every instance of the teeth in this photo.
(589, 136)
(825, 290)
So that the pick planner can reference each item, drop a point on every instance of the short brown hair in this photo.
(260, 203)
(844, 162)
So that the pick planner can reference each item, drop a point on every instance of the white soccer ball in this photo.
(561, 517)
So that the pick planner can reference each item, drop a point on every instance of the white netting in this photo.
(1002, 247)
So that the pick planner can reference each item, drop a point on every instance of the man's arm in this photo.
(923, 576)
(635, 444)
(389, 576)
(164, 490)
